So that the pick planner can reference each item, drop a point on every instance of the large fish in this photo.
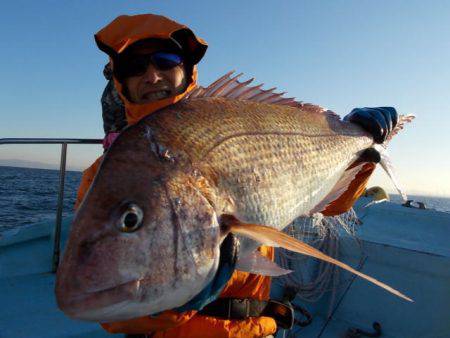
(171, 188)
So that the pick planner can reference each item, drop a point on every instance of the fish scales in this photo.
(275, 162)
(263, 154)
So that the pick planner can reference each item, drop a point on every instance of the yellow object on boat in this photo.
(377, 194)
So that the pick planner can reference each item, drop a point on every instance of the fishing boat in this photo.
(404, 246)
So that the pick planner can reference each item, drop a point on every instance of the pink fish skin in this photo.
(147, 235)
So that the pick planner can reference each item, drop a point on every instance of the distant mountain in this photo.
(32, 164)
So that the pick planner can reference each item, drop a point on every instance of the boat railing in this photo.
(62, 174)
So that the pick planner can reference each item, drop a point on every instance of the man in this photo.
(153, 62)
(113, 110)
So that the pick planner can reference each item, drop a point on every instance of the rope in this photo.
(311, 278)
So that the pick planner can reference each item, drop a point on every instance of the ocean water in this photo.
(29, 196)
(437, 203)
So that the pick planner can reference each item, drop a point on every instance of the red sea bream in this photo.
(147, 235)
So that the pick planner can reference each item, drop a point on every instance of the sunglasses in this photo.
(137, 65)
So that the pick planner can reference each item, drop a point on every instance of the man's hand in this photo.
(378, 121)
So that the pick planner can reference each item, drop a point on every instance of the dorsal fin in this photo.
(230, 87)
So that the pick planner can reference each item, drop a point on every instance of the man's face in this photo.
(154, 84)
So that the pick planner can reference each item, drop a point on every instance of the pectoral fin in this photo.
(272, 237)
(260, 265)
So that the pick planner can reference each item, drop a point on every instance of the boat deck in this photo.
(28, 305)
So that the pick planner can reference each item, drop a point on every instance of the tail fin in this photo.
(357, 172)
(386, 162)
(403, 119)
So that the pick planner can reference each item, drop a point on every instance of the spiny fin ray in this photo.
(229, 86)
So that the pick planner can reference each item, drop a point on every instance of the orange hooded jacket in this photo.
(114, 39)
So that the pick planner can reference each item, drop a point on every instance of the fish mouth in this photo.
(88, 305)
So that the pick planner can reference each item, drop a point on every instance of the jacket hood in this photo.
(126, 30)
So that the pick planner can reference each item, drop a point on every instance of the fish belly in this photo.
(274, 180)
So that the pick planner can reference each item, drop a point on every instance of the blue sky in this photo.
(338, 54)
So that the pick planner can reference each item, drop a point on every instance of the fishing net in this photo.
(311, 278)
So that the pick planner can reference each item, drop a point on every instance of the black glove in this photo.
(378, 121)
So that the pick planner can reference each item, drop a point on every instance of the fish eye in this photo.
(131, 219)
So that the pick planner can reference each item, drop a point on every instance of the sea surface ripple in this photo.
(29, 196)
